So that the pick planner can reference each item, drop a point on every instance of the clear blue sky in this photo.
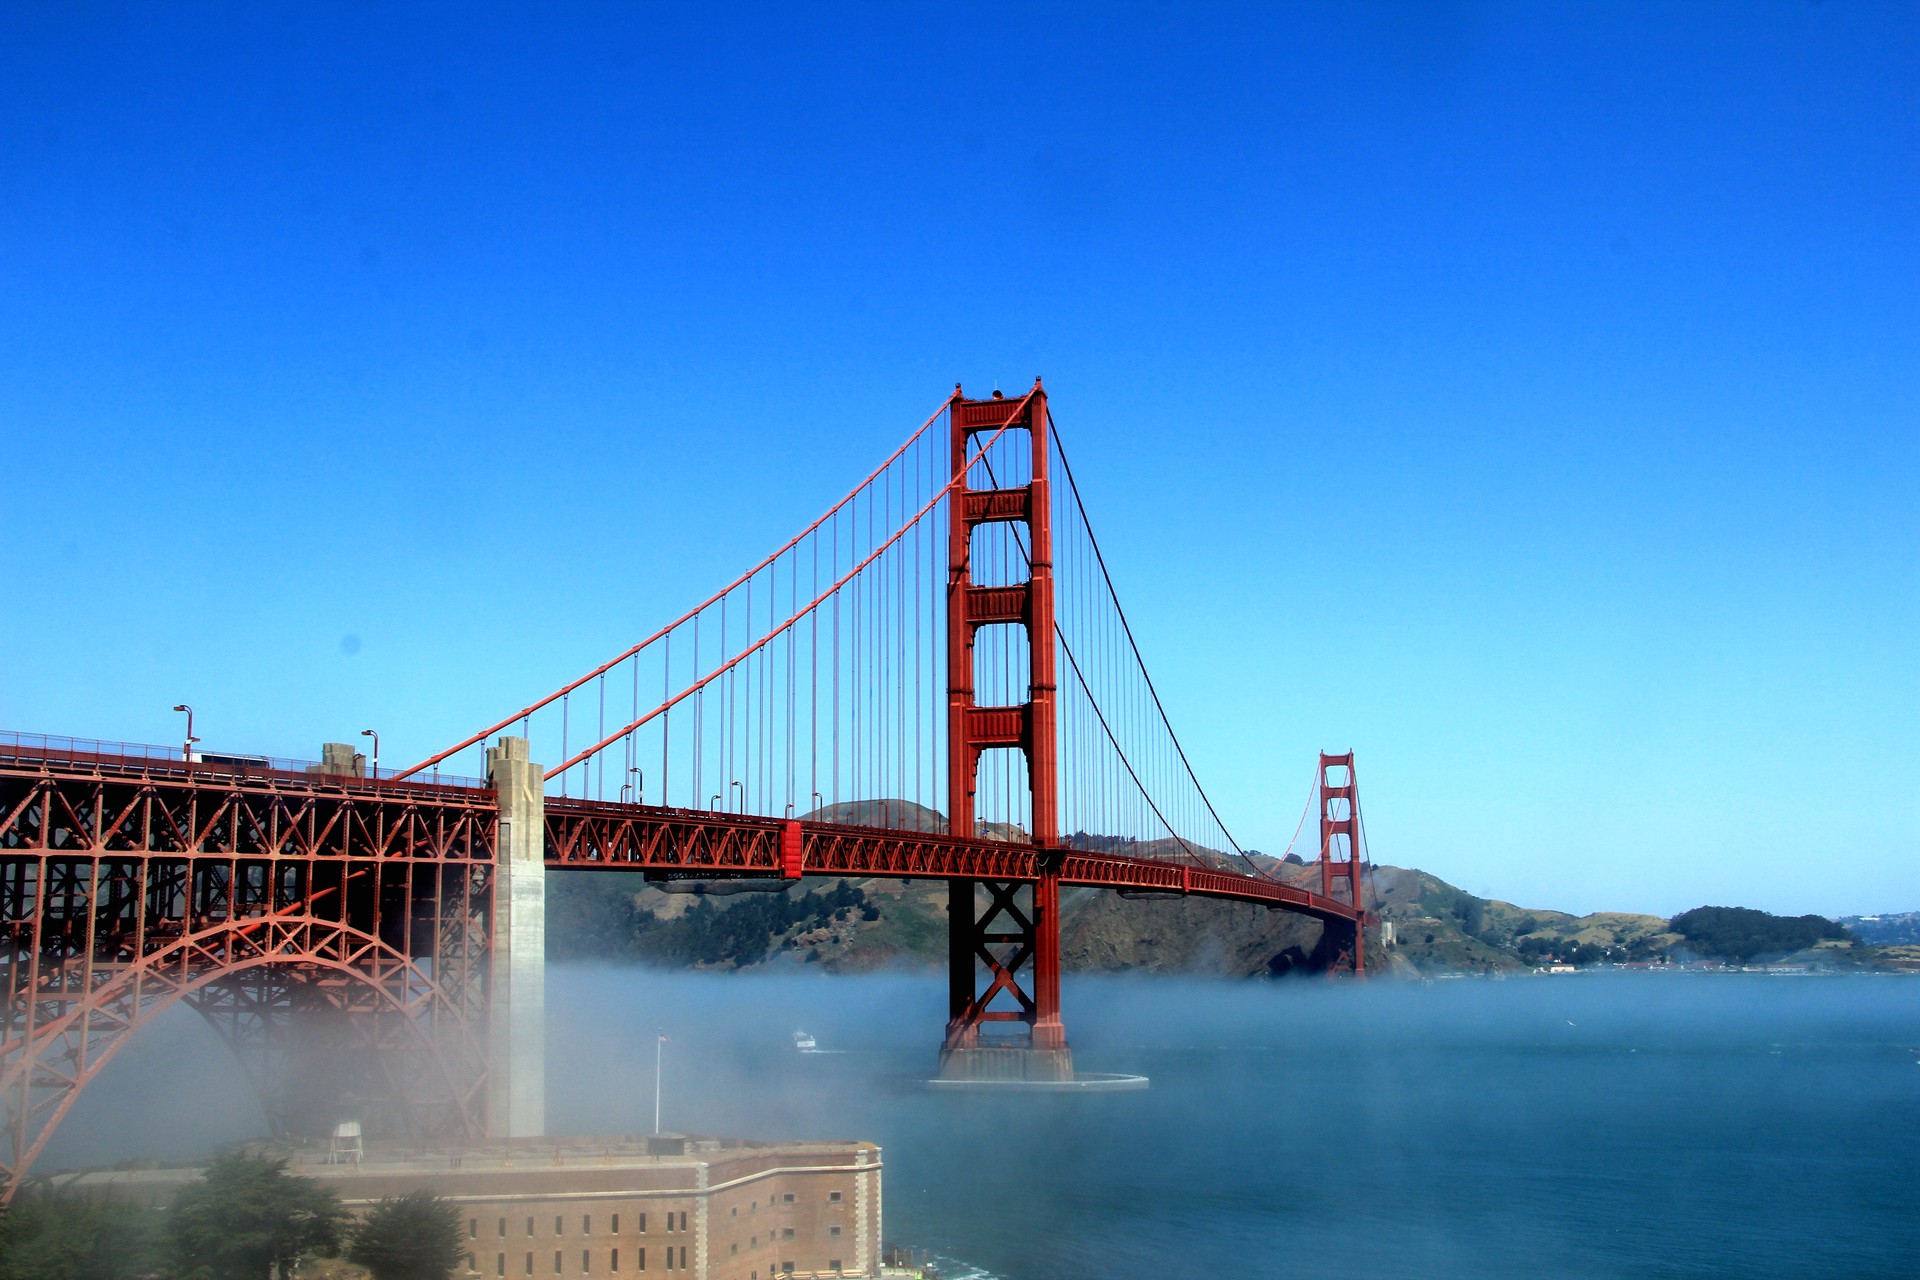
(1527, 396)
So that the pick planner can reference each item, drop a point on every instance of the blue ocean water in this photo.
(1579, 1126)
(1589, 1126)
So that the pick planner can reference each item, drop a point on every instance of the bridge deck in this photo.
(401, 819)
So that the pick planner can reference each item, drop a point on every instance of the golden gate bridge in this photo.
(935, 679)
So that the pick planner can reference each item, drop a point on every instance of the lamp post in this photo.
(658, 1045)
(375, 735)
(743, 795)
(639, 785)
(819, 802)
(186, 748)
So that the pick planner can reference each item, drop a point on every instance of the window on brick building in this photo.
(833, 1231)
(473, 1228)
(833, 1264)
(787, 1198)
(586, 1224)
(503, 1226)
(559, 1225)
(786, 1268)
(500, 1264)
(616, 1224)
(642, 1228)
(786, 1233)
(529, 1264)
(613, 1260)
(833, 1197)
(586, 1263)
(640, 1263)
(556, 1262)
(529, 1226)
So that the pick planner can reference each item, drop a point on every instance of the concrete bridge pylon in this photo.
(517, 1003)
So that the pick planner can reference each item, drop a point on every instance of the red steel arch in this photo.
(279, 902)
(43, 1074)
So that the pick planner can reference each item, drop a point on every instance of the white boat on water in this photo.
(804, 1042)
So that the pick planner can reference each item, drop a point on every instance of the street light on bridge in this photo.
(186, 748)
(743, 795)
(375, 735)
(639, 788)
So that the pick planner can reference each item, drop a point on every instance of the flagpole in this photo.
(658, 1043)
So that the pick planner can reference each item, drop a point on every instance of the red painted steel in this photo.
(793, 855)
(130, 883)
(1340, 856)
(703, 843)
(976, 945)
(311, 919)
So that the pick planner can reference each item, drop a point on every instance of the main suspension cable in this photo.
(1099, 559)
(1066, 647)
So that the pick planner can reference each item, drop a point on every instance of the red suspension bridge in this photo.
(935, 679)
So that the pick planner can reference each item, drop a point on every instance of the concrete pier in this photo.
(1004, 1063)
(517, 1004)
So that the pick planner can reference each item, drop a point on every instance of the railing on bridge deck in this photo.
(148, 757)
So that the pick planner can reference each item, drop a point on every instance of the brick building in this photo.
(615, 1209)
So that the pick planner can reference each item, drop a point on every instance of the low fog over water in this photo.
(1567, 1126)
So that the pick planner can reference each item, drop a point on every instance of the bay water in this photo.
(1584, 1125)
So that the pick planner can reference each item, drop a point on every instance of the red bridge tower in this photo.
(1343, 942)
(1018, 925)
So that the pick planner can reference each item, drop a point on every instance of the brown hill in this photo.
(1435, 926)
(1103, 932)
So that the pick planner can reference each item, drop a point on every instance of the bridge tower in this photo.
(1343, 943)
(1017, 927)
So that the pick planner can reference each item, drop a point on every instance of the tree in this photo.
(1741, 933)
(67, 1238)
(1586, 953)
(411, 1237)
(249, 1219)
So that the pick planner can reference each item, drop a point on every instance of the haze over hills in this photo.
(856, 925)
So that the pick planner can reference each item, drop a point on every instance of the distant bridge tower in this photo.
(1018, 926)
(1343, 943)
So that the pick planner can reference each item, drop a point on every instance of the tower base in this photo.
(1006, 1063)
